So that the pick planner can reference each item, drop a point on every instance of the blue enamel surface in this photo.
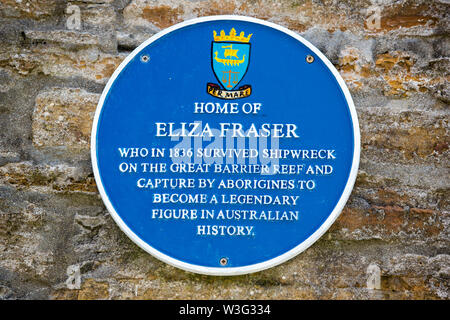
(165, 90)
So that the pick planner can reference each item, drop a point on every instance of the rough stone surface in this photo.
(63, 117)
(57, 241)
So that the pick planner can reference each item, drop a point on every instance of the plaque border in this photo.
(230, 271)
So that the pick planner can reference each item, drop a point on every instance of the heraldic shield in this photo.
(230, 55)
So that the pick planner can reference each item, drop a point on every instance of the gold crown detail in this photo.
(232, 37)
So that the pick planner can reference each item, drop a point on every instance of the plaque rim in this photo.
(230, 271)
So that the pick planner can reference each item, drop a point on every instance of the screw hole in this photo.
(223, 261)
(309, 59)
(145, 58)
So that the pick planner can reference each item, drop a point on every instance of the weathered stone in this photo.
(101, 16)
(93, 290)
(63, 36)
(63, 117)
(132, 37)
(388, 222)
(140, 12)
(57, 239)
(34, 9)
(89, 63)
(409, 14)
(308, 277)
(48, 178)
(413, 133)
(354, 67)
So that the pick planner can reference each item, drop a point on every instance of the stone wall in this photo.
(57, 240)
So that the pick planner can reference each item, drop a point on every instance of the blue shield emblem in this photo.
(230, 62)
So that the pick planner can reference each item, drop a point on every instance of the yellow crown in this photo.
(232, 37)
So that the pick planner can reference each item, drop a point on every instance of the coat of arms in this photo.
(230, 57)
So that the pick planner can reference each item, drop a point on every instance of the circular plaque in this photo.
(225, 145)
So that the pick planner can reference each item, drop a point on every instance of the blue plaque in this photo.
(225, 145)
